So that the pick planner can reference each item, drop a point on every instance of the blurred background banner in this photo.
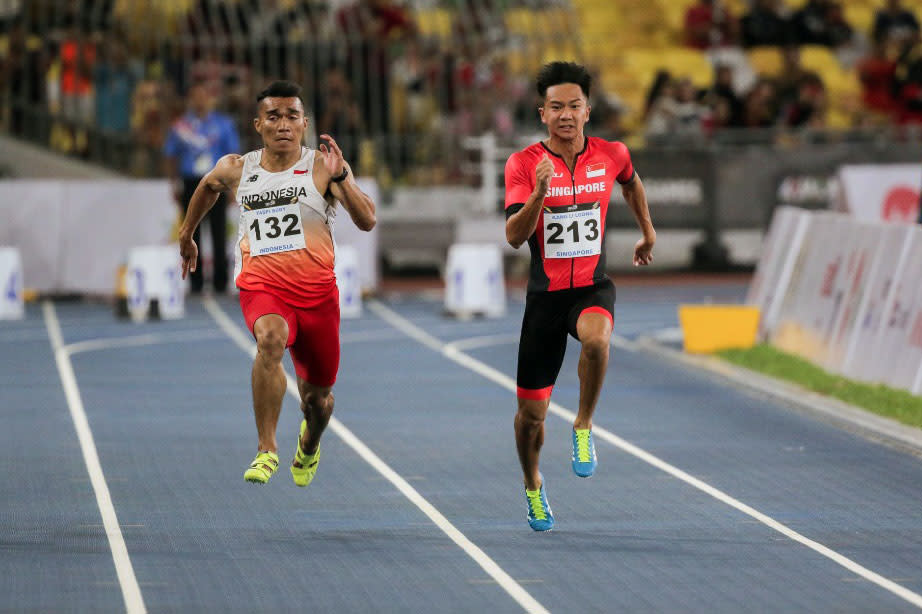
(881, 192)
(73, 235)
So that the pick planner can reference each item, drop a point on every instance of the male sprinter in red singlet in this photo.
(284, 266)
(557, 194)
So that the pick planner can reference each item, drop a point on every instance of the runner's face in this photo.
(281, 123)
(565, 111)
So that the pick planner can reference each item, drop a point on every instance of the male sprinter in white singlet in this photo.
(284, 266)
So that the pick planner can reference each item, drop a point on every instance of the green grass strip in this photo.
(883, 400)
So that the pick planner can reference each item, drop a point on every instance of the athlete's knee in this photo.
(319, 402)
(530, 414)
(270, 343)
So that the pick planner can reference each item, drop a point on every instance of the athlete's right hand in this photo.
(188, 251)
(543, 173)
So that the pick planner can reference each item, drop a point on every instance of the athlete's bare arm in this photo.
(522, 223)
(224, 177)
(360, 207)
(636, 198)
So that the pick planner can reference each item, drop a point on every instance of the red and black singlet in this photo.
(568, 245)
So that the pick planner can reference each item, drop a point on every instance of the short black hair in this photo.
(556, 73)
(281, 89)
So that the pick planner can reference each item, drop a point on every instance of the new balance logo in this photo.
(252, 178)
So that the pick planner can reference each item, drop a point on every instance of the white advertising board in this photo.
(775, 269)
(854, 300)
(853, 284)
(900, 350)
(881, 192)
(859, 360)
(811, 304)
(32, 223)
(74, 234)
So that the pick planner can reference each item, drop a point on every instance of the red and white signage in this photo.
(881, 192)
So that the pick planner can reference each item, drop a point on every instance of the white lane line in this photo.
(131, 592)
(669, 335)
(108, 343)
(507, 382)
(515, 590)
(624, 342)
(482, 341)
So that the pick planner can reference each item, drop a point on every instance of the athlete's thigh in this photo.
(599, 299)
(257, 305)
(315, 352)
(542, 343)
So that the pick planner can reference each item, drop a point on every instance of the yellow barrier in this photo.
(709, 328)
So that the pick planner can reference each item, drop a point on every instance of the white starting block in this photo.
(474, 281)
(347, 278)
(11, 301)
(154, 273)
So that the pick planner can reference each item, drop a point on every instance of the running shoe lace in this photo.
(582, 446)
(536, 505)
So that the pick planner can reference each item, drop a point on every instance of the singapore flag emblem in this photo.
(595, 170)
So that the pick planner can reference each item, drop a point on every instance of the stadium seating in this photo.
(434, 22)
(765, 60)
(647, 35)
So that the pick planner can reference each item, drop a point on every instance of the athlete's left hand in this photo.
(332, 156)
(643, 252)
(188, 251)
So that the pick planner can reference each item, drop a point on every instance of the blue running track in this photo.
(418, 502)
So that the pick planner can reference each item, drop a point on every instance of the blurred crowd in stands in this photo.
(93, 77)
(887, 61)
(104, 79)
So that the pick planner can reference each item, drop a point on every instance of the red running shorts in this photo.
(313, 333)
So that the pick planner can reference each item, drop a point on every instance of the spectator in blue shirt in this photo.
(194, 144)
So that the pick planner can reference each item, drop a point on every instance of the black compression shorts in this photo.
(549, 316)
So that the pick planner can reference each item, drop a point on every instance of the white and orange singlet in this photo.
(285, 242)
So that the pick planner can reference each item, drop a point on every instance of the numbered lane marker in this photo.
(12, 306)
